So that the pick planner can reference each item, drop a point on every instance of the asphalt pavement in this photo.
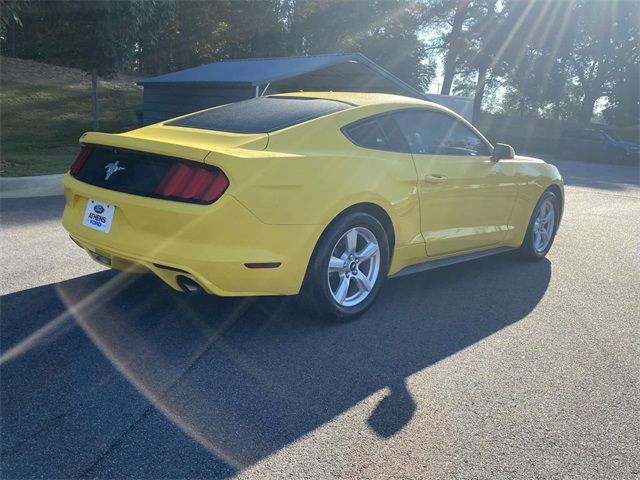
(496, 368)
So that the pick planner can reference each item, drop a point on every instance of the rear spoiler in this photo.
(157, 147)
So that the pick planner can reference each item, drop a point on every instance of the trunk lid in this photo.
(177, 142)
(161, 161)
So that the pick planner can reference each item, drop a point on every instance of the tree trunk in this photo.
(454, 46)
(94, 97)
(586, 109)
(556, 110)
(479, 93)
(11, 40)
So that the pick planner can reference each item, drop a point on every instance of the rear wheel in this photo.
(349, 266)
(542, 227)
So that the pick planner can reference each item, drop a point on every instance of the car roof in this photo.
(360, 98)
(387, 102)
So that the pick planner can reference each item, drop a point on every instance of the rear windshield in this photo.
(260, 115)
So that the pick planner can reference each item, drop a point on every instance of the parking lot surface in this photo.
(497, 368)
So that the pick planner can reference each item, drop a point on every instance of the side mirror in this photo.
(502, 151)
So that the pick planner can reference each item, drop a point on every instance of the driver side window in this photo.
(434, 133)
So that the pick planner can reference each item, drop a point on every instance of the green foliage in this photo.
(383, 30)
(547, 58)
(624, 99)
(156, 36)
(9, 13)
(604, 48)
(88, 35)
(9, 21)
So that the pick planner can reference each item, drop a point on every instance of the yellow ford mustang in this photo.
(325, 194)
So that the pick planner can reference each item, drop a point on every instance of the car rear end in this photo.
(174, 198)
(131, 206)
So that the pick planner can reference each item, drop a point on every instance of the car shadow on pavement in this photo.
(241, 378)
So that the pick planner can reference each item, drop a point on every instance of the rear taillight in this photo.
(193, 183)
(80, 160)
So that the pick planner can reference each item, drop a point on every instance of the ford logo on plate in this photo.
(98, 209)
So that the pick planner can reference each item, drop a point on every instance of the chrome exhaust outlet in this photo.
(188, 285)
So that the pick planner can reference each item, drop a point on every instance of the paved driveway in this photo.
(491, 369)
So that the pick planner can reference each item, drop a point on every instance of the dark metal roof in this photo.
(341, 71)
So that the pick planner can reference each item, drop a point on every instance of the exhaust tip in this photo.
(188, 285)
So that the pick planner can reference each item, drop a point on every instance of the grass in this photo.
(40, 125)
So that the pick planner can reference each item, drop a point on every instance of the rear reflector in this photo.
(263, 265)
(80, 160)
(193, 183)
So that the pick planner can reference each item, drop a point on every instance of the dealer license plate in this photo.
(98, 216)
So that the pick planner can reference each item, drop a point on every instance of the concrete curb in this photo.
(36, 186)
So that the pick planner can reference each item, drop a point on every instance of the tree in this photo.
(534, 65)
(517, 45)
(623, 108)
(487, 34)
(9, 13)
(387, 31)
(605, 48)
(180, 34)
(448, 17)
(9, 20)
(455, 43)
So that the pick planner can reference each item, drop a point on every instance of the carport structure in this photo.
(218, 83)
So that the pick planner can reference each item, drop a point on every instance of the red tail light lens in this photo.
(80, 160)
(193, 183)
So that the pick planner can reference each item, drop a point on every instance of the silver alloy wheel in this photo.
(353, 267)
(543, 226)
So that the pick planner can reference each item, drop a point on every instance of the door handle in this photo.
(435, 179)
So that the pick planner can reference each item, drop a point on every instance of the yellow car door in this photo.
(466, 198)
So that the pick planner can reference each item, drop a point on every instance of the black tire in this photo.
(528, 249)
(316, 291)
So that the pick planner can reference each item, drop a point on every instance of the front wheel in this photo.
(542, 227)
(349, 266)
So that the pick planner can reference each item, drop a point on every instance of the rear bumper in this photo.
(208, 243)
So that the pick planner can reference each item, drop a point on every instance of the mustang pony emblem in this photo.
(112, 168)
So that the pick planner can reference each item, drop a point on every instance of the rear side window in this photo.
(369, 135)
(380, 133)
(260, 115)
